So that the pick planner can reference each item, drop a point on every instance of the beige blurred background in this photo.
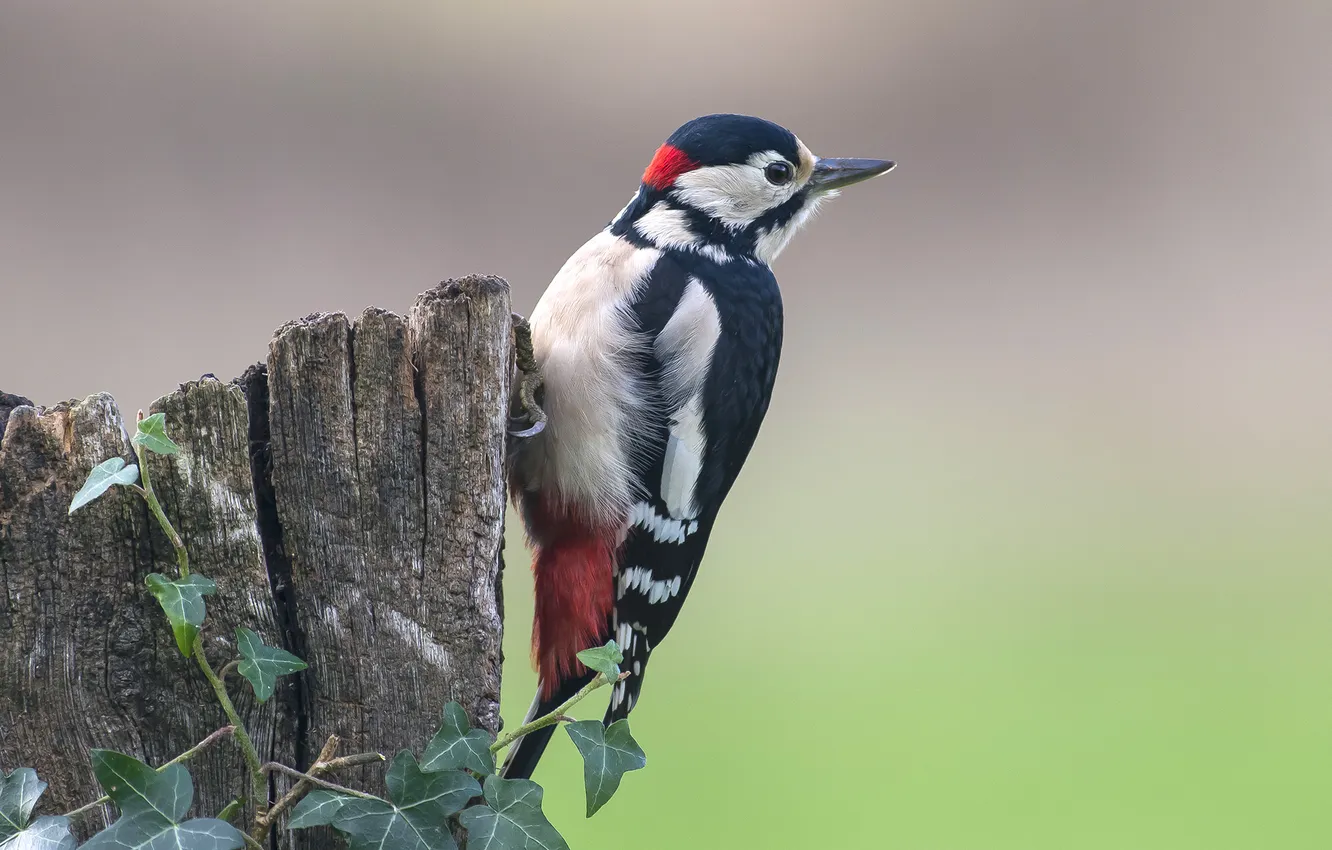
(1049, 463)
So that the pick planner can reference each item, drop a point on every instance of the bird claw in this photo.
(529, 382)
(537, 428)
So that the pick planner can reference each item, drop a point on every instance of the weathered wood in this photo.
(387, 445)
(8, 402)
(348, 499)
(461, 331)
(88, 659)
(208, 492)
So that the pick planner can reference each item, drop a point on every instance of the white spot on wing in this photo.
(663, 529)
(640, 580)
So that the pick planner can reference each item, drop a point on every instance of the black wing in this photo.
(663, 550)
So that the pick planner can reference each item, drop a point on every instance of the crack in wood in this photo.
(347, 496)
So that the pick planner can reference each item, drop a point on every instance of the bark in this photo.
(348, 499)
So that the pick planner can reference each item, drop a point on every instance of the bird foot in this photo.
(530, 419)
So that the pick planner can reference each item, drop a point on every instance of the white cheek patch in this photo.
(735, 195)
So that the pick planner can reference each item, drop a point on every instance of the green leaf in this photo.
(416, 819)
(608, 754)
(151, 805)
(230, 810)
(457, 745)
(138, 789)
(317, 808)
(182, 600)
(152, 436)
(48, 833)
(147, 833)
(511, 819)
(103, 477)
(603, 659)
(19, 793)
(262, 664)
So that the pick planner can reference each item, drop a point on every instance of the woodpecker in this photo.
(657, 343)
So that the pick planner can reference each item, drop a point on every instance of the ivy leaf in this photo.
(416, 817)
(608, 754)
(456, 745)
(19, 793)
(48, 833)
(138, 789)
(152, 436)
(511, 819)
(262, 664)
(604, 660)
(151, 805)
(103, 477)
(230, 810)
(318, 808)
(147, 833)
(182, 600)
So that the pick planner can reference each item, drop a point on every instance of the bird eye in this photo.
(778, 173)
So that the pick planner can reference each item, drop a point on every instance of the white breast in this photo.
(583, 337)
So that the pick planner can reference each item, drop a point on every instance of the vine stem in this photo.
(257, 780)
(228, 669)
(555, 716)
(315, 780)
(185, 756)
(325, 763)
(182, 556)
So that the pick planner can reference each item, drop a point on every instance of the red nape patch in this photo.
(669, 163)
(574, 571)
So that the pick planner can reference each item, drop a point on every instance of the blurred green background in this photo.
(1035, 547)
(1010, 644)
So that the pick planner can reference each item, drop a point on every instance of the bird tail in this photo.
(527, 750)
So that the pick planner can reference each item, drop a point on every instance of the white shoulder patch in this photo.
(685, 347)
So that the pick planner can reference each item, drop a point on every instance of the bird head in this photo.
(734, 186)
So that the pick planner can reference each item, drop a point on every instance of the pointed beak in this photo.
(832, 174)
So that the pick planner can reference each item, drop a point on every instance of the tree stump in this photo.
(348, 498)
